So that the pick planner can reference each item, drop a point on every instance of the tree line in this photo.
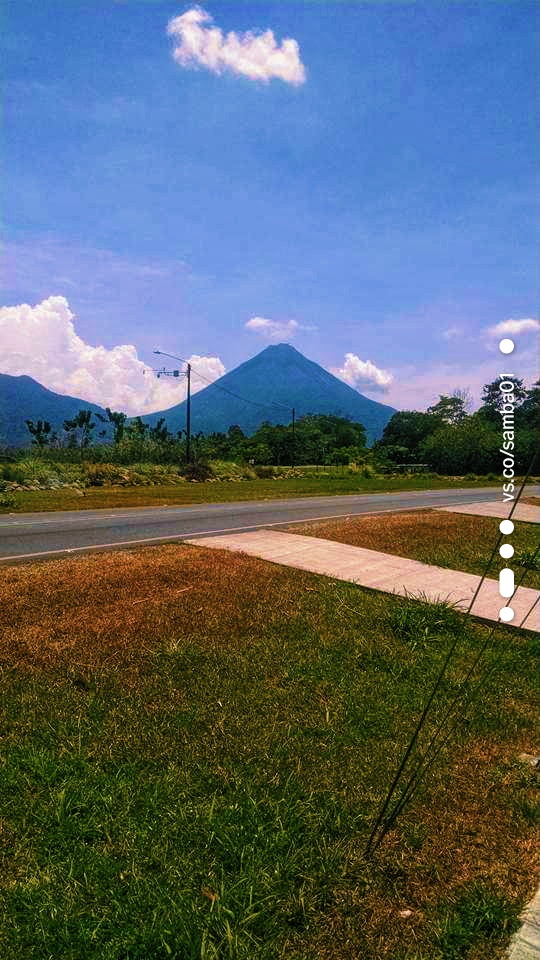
(451, 440)
(320, 438)
(447, 437)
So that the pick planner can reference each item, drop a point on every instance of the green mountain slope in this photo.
(267, 387)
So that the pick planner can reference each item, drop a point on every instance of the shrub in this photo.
(104, 474)
(264, 473)
(226, 470)
(197, 471)
(7, 500)
(368, 472)
(14, 474)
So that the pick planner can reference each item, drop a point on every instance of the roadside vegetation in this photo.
(454, 540)
(297, 482)
(95, 452)
(195, 745)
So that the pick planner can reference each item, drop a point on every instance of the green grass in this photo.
(195, 775)
(215, 492)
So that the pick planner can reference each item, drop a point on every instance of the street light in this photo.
(188, 410)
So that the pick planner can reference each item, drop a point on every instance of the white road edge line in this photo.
(200, 533)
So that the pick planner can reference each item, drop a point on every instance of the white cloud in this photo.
(513, 326)
(362, 373)
(256, 56)
(274, 329)
(41, 342)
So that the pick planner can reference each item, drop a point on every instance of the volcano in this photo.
(266, 388)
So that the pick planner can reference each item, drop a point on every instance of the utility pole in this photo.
(188, 415)
(187, 374)
(293, 438)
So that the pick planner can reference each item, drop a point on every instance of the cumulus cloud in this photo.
(362, 373)
(526, 325)
(42, 343)
(274, 329)
(256, 56)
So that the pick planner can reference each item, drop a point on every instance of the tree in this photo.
(471, 446)
(407, 429)
(40, 432)
(137, 429)
(529, 411)
(118, 421)
(493, 399)
(159, 432)
(451, 409)
(80, 429)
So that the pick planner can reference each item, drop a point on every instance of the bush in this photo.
(14, 474)
(368, 472)
(104, 474)
(226, 470)
(197, 471)
(7, 500)
(264, 473)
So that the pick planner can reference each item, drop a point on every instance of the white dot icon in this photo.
(506, 527)
(506, 551)
(506, 345)
(506, 614)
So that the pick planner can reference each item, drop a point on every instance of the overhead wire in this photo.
(256, 403)
(371, 844)
(423, 767)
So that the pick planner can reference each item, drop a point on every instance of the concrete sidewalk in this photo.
(379, 571)
(496, 508)
(525, 944)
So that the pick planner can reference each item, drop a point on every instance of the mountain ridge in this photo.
(23, 398)
(265, 387)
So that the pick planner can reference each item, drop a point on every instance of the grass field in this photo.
(456, 540)
(212, 492)
(194, 746)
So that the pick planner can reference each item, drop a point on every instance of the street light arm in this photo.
(171, 355)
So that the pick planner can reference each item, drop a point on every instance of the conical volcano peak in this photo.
(267, 387)
(286, 349)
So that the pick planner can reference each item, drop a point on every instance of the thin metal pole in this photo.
(293, 438)
(188, 415)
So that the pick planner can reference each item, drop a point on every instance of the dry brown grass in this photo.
(456, 540)
(403, 534)
(106, 609)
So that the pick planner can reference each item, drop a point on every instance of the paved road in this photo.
(25, 536)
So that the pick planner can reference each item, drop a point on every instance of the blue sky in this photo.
(378, 199)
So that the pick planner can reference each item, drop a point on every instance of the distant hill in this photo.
(276, 380)
(22, 398)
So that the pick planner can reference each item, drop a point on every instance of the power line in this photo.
(256, 403)
(375, 839)
(423, 767)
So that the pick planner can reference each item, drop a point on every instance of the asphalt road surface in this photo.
(26, 536)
